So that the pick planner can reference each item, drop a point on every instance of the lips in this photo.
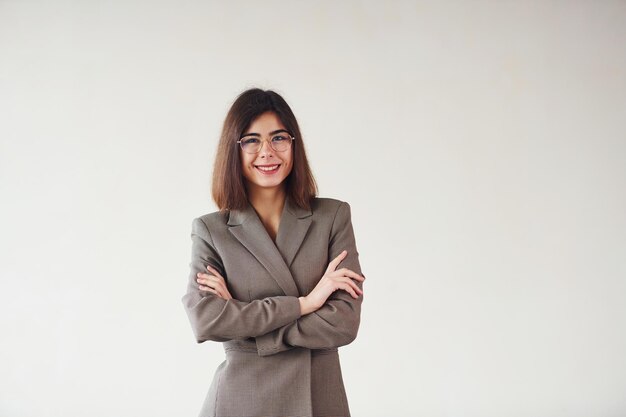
(267, 169)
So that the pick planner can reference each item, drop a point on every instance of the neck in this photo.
(268, 202)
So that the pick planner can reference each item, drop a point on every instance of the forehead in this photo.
(265, 123)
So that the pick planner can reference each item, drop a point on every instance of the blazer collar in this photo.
(237, 217)
(246, 226)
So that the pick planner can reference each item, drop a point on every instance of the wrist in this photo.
(305, 306)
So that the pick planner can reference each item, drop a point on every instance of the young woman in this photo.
(275, 272)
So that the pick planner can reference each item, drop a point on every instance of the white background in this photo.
(480, 144)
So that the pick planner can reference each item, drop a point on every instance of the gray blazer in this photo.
(277, 362)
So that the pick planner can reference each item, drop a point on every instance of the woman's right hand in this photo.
(332, 281)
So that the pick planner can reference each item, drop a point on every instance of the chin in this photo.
(268, 184)
(265, 182)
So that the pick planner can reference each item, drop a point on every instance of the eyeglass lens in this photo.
(252, 144)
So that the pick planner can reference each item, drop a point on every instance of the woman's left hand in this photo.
(213, 282)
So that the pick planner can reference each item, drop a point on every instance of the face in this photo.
(268, 126)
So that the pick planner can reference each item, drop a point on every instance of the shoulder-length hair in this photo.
(228, 188)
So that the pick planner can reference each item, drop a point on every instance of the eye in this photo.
(247, 141)
(279, 138)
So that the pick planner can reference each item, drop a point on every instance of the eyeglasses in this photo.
(279, 143)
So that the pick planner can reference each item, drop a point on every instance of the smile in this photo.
(268, 169)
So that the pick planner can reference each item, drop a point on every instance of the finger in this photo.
(217, 283)
(341, 281)
(217, 275)
(219, 287)
(207, 276)
(349, 289)
(335, 262)
(346, 273)
(209, 289)
(210, 277)
(353, 284)
(350, 273)
(208, 282)
(213, 270)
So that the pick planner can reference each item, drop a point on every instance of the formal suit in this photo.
(277, 362)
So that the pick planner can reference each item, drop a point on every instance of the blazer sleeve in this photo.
(336, 323)
(217, 319)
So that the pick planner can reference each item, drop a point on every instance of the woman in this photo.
(275, 273)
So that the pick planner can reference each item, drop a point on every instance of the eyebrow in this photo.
(273, 132)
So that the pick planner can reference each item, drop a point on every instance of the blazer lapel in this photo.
(247, 227)
(294, 225)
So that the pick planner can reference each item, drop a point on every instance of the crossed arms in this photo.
(276, 322)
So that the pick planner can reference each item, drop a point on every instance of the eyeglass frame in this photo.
(270, 142)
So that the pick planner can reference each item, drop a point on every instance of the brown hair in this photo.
(228, 187)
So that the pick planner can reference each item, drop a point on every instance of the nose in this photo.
(266, 149)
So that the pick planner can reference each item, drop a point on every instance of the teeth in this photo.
(268, 168)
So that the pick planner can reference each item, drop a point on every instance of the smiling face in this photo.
(264, 128)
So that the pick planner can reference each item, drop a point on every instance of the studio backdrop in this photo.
(480, 145)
